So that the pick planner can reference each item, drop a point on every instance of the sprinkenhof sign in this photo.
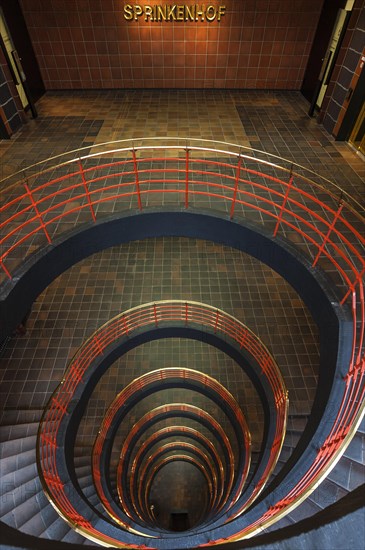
(174, 12)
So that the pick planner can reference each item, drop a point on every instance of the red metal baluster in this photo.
(238, 173)
(290, 184)
(216, 321)
(325, 240)
(135, 164)
(187, 178)
(39, 215)
(86, 190)
(98, 344)
(351, 289)
(125, 325)
(5, 269)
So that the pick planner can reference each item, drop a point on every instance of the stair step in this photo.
(17, 431)
(47, 513)
(17, 478)
(83, 451)
(361, 428)
(306, 509)
(42, 519)
(85, 481)
(16, 462)
(327, 493)
(25, 510)
(80, 461)
(90, 543)
(89, 489)
(297, 423)
(348, 474)
(17, 446)
(57, 530)
(13, 417)
(356, 450)
(73, 537)
(83, 471)
(14, 496)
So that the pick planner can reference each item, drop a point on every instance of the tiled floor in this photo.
(272, 121)
(109, 282)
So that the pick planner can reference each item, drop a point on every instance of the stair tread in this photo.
(16, 446)
(20, 476)
(73, 537)
(14, 462)
(17, 431)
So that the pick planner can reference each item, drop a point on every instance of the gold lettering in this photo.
(180, 13)
(190, 13)
(210, 13)
(137, 11)
(171, 13)
(221, 11)
(199, 12)
(161, 13)
(128, 12)
(148, 13)
(174, 12)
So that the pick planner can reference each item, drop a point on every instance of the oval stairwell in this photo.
(87, 245)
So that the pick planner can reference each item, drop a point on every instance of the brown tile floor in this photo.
(103, 285)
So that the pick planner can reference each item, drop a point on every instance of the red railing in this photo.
(143, 382)
(316, 216)
(153, 314)
(177, 409)
(163, 433)
(169, 448)
(173, 458)
(47, 200)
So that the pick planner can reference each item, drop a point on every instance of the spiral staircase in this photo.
(74, 476)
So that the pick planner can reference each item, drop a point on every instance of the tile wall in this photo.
(90, 44)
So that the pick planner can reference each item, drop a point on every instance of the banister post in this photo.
(87, 190)
(38, 214)
(280, 217)
(330, 229)
(238, 173)
(135, 165)
(186, 178)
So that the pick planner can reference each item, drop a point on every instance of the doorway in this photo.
(357, 136)
(331, 54)
(327, 42)
(9, 52)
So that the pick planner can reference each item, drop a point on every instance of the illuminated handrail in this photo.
(201, 382)
(174, 458)
(46, 201)
(142, 493)
(292, 203)
(179, 410)
(153, 314)
(164, 433)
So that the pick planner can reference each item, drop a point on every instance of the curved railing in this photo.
(172, 458)
(145, 480)
(45, 202)
(172, 376)
(153, 439)
(178, 409)
(154, 315)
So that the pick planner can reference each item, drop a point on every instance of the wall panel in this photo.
(89, 44)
